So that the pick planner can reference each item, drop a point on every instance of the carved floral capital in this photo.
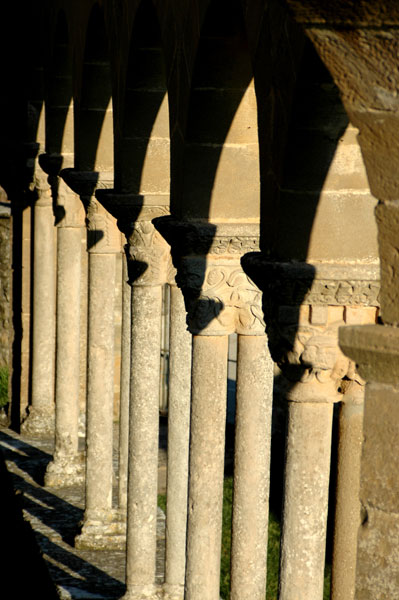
(220, 298)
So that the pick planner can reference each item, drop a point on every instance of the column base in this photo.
(144, 592)
(38, 423)
(173, 591)
(102, 532)
(65, 470)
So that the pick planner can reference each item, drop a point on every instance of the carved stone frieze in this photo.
(293, 284)
(202, 238)
(220, 298)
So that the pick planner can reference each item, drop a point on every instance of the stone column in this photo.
(67, 467)
(220, 299)
(101, 525)
(362, 63)
(304, 306)
(180, 349)
(347, 508)
(251, 468)
(208, 416)
(125, 389)
(147, 264)
(40, 420)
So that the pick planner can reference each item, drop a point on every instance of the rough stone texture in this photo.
(5, 284)
(98, 510)
(178, 446)
(67, 464)
(305, 501)
(143, 441)
(251, 468)
(125, 387)
(347, 508)
(208, 414)
(41, 412)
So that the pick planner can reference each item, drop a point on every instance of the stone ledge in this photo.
(375, 349)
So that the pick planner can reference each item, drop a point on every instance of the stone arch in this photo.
(59, 97)
(94, 120)
(221, 165)
(142, 142)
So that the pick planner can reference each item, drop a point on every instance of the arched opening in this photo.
(221, 165)
(142, 148)
(94, 122)
(59, 103)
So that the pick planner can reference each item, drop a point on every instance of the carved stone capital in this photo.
(304, 306)
(147, 252)
(103, 235)
(69, 209)
(51, 163)
(42, 187)
(220, 298)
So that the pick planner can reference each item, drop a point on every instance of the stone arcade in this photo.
(233, 153)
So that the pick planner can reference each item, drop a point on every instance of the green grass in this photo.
(3, 386)
(162, 502)
(273, 550)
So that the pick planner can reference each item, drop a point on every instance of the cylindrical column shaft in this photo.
(307, 474)
(100, 392)
(180, 350)
(207, 436)
(143, 442)
(251, 469)
(347, 510)
(125, 388)
(41, 414)
(66, 467)
(25, 307)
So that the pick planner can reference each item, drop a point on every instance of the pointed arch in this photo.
(59, 96)
(94, 119)
(221, 165)
(142, 147)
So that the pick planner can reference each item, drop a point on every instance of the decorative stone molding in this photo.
(304, 305)
(147, 252)
(220, 298)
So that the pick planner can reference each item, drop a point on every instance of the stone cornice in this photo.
(203, 238)
(85, 183)
(128, 208)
